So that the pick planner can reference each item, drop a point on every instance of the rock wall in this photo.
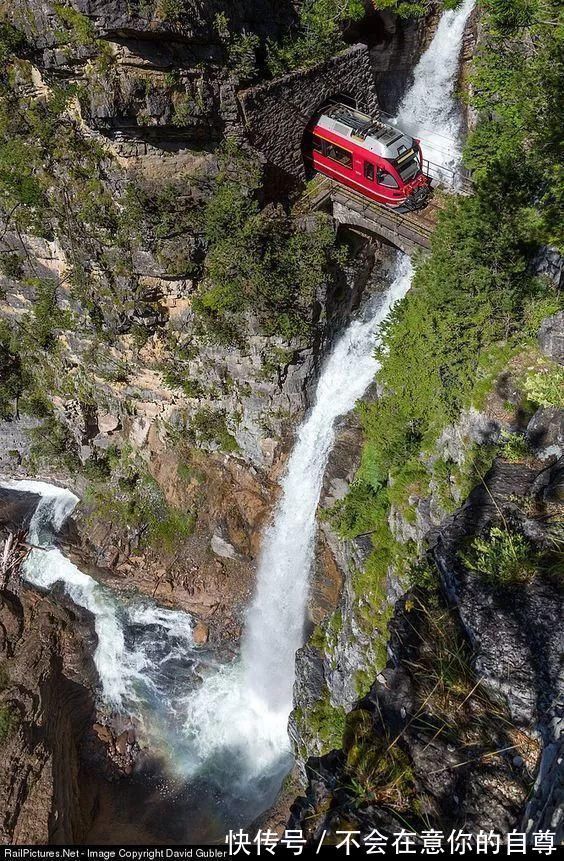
(46, 710)
(276, 113)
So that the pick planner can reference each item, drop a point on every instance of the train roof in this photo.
(377, 137)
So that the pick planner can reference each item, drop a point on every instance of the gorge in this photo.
(324, 554)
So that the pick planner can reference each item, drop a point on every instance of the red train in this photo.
(375, 159)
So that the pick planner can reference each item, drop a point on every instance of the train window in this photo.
(336, 153)
(316, 143)
(385, 178)
(369, 170)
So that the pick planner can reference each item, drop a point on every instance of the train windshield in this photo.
(408, 165)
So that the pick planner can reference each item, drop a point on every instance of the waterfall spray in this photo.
(246, 707)
(429, 109)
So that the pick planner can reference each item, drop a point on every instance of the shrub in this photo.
(260, 262)
(134, 499)
(209, 427)
(376, 765)
(546, 388)
(183, 110)
(318, 35)
(515, 447)
(169, 10)
(78, 28)
(326, 722)
(11, 265)
(502, 558)
(241, 49)
(11, 41)
(53, 444)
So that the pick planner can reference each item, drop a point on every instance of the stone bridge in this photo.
(408, 231)
(276, 113)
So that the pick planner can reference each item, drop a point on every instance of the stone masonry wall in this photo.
(276, 113)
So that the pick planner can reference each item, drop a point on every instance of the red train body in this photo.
(371, 157)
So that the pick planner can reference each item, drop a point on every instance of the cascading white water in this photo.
(429, 109)
(245, 708)
(275, 625)
(129, 675)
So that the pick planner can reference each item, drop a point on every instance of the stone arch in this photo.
(342, 97)
(276, 113)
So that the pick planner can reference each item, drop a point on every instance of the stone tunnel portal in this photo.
(277, 113)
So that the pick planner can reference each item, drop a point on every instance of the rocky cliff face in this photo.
(46, 712)
(405, 746)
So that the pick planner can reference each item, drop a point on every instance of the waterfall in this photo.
(276, 617)
(429, 109)
(242, 712)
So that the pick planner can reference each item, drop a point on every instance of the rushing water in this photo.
(141, 646)
(429, 109)
(241, 714)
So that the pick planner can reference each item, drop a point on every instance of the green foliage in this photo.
(537, 310)
(241, 49)
(502, 558)
(134, 499)
(11, 265)
(78, 28)
(375, 764)
(260, 261)
(175, 377)
(515, 447)
(318, 35)
(183, 110)
(169, 10)
(40, 328)
(52, 444)
(546, 388)
(13, 377)
(510, 15)
(209, 427)
(11, 41)
(9, 720)
(404, 8)
(516, 94)
(325, 722)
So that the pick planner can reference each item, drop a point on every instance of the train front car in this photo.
(376, 160)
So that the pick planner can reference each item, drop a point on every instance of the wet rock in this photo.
(545, 432)
(222, 548)
(16, 509)
(551, 337)
(200, 633)
(103, 732)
